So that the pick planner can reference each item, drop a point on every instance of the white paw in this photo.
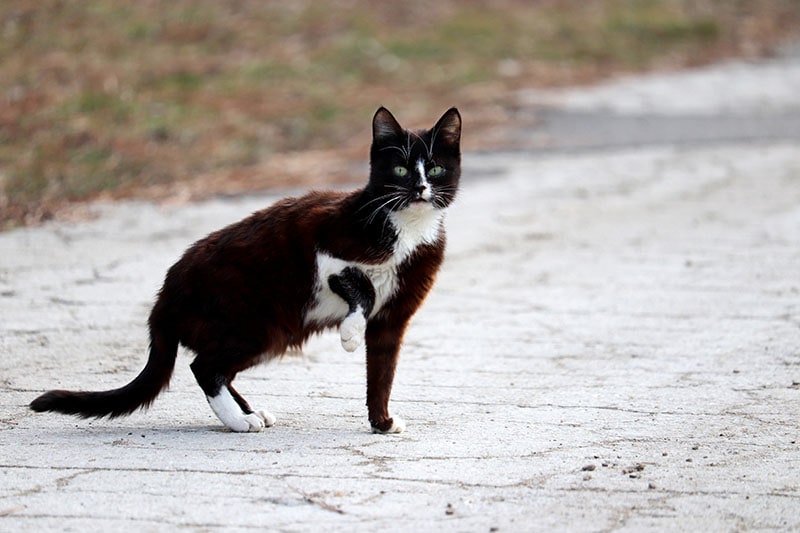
(352, 331)
(267, 417)
(251, 423)
(230, 414)
(398, 426)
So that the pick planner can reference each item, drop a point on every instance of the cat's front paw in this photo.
(352, 331)
(393, 425)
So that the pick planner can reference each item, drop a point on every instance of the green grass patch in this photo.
(101, 95)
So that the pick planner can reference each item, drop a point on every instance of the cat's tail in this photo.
(137, 394)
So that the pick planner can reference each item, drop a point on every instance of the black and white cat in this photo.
(362, 261)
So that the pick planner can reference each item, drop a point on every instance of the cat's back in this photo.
(269, 253)
(287, 224)
(280, 236)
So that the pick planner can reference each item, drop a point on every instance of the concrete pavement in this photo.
(613, 345)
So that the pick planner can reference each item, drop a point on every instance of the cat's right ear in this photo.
(385, 126)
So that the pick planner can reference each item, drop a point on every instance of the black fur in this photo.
(355, 288)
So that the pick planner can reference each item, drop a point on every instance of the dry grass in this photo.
(180, 98)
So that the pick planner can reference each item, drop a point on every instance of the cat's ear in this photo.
(385, 126)
(448, 129)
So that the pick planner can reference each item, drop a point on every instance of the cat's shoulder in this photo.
(308, 205)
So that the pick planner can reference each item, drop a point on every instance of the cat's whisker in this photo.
(440, 194)
(395, 197)
(439, 202)
(434, 131)
(403, 151)
(397, 203)
(427, 148)
(378, 199)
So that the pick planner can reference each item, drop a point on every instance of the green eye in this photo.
(435, 172)
(400, 172)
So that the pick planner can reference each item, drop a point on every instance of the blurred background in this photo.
(184, 99)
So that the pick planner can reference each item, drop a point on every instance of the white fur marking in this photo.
(419, 223)
(268, 418)
(329, 307)
(398, 426)
(229, 412)
(352, 330)
(426, 192)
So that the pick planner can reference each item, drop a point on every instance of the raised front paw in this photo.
(352, 331)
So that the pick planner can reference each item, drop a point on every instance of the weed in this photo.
(108, 97)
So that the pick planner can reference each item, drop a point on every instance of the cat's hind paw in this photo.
(230, 413)
(251, 423)
(352, 331)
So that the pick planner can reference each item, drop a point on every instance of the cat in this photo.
(363, 261)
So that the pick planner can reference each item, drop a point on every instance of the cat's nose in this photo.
(421, 192)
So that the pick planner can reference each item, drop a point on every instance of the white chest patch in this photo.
(329, 307)
(415, 225)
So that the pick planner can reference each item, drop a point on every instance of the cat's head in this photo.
(415, 167)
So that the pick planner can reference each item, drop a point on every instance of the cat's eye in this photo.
(400, 172)
(435, 172)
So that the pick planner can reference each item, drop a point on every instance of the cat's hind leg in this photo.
(229, 412)
(268, 418)
(227, 403)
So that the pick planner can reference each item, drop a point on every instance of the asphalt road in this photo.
(613, 345)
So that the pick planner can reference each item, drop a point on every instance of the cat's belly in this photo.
(327, 307)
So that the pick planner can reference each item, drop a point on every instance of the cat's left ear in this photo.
(448, 129)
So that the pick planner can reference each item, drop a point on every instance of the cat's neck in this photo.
(419, 224)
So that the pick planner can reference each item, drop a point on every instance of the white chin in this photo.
(419, 206)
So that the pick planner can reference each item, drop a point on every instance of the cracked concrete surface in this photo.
(613, 345)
